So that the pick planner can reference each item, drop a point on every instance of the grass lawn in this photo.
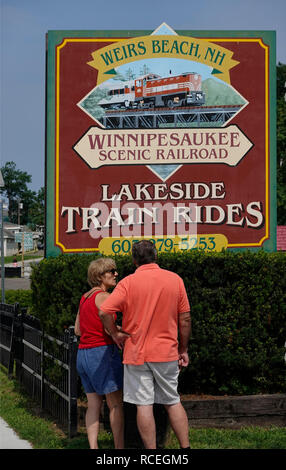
(27, 255)
(31, 424)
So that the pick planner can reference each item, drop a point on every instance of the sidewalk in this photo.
(9, 439)
(15, 283)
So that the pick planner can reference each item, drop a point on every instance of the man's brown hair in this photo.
(144, 252)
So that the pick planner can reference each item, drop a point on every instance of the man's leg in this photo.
(139, 389)
(179, 422)
(146, 425)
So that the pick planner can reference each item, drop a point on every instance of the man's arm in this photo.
(184, 336)
(118, 336)
(114, 303)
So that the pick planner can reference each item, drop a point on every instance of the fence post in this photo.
(72, 383)
(42, 369)
(18, 344)
(13, 341)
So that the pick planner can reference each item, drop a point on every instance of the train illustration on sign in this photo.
(152, 90)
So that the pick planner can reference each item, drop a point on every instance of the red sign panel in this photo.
(164, 136)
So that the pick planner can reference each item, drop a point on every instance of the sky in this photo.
(24, 24)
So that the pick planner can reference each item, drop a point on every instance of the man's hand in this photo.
(184, 336)
(183, 360)
(119, 337)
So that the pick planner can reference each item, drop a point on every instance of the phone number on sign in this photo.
(167, 244)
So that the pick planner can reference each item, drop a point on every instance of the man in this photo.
(154, 305)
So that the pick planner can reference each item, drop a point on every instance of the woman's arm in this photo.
(100, 298)
(76, 326)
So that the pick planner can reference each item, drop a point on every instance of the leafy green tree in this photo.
(90, 104)
(36, 213)
(281, 144)
(17, 192)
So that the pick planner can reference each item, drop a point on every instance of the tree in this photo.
(281, 144)
(36, 213)
(17, 192)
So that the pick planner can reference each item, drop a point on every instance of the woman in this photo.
(98, 361)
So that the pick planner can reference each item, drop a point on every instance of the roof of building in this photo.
(11, 226)
(8, 234)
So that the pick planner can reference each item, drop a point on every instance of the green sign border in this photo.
(54, 38)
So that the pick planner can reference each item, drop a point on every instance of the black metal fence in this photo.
(45, 365)
(7, 317)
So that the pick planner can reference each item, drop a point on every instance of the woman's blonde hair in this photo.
(96, 270)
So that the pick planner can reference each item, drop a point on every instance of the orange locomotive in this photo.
(151, 90)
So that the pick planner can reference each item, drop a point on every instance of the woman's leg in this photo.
(114, 403)
(94, 403)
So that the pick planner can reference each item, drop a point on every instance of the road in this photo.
(15, 283)
(19, 282)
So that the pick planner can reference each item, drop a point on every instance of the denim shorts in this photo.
(100, 369)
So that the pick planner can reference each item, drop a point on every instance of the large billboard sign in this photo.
(166, 135)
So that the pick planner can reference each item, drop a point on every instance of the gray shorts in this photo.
(151, 382)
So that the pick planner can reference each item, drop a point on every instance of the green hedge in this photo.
(238, 306)
(23, 297)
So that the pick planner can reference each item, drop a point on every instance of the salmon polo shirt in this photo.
(150, 300)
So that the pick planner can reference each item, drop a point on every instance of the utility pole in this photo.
(2, 184)
(20, 206)
(23, 245)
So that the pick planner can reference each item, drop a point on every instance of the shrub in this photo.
(23, 297)
(238, 307)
